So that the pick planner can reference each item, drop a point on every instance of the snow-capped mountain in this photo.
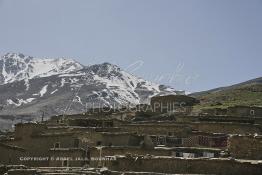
(30, 85)
(15, 67)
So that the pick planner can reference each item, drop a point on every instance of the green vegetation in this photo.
(246, 94)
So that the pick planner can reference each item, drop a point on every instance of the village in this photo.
(165, 137)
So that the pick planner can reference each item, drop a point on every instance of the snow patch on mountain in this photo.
(54, 91)
(62, 82)
(43, 91)
(19, 102)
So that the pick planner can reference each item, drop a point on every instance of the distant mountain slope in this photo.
(29, 86)
(246, 93)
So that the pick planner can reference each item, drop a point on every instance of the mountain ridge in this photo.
(248, 93)
(254, 80)
(65, 82)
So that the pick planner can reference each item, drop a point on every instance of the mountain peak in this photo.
(13, 55)
(16, 56)
(108, 65)
(104, 68)
(17, 66)
(49, 84)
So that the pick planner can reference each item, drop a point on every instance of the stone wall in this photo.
(10, 154)
(121, 139)
(246, 147)
(159, 151)
(228, 128)
(245, 111)
(73, 156)
(158, 129)
(111, 151)
(183, 166)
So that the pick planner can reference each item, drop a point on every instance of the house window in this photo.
(169, 133)
(65, 163)
(252, 112)
(76, 143)
(98, 143)
(57, 145)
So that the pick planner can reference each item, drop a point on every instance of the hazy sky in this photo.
(188, 44)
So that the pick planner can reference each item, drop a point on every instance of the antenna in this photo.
(43, 114)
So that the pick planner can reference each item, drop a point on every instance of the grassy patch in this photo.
(248, 95)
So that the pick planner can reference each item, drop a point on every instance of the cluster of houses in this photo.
(163, 137)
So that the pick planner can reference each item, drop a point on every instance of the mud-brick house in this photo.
(114, 139)
(216, 140)
(36, 136)
(37, 140)
(25, 130)
(245, 111)
(173, 103)
(160, 129)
